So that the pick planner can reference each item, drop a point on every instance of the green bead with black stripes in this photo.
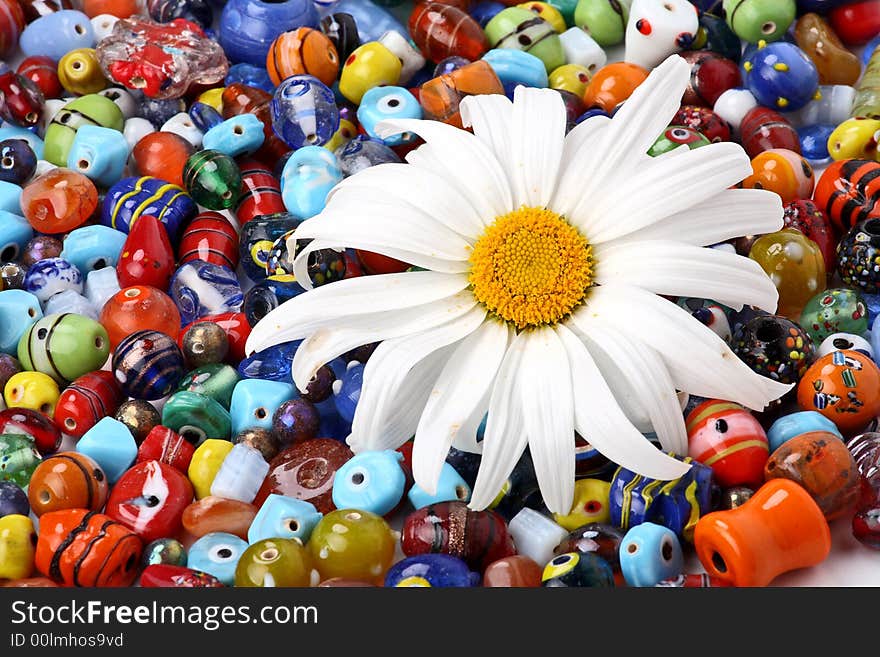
(64, 346)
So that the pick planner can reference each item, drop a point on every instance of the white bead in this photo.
(411, 58)
(581, 49)
(841, 341)
(101, 284)
(241, 474)
(70, 301)
(102, 25)
(123, 99)
(668, 26)
(43, 167)
(833, 108)
(136, 129)
(733, 105)
(50, 108)
(181, 124)
(535, 535)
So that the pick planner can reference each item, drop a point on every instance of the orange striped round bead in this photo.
(303, 51)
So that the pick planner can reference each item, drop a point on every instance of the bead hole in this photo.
(872, 227)
(632, 548)
(77, 65)
(357, 478)
(32, 312)
(82, 164)
(842, 343)
(226, 195)
(132, 293)
(769, 332)
(7, 162)
(9, 253)
(45, 409)
(79, 29)
(261, 413)
(238, 130)
(353, 515)
(45, 497)
(138, 82)
(269, 554)
(768, 28)
(461, 493)
(666, 551)
(293, 525)
(224, 553)
(31, 117)
(718, 563)
(70, 423)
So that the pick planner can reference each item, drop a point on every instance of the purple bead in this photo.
(294, 421)
(13, 500)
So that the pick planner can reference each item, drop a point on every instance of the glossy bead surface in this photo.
(241, 474)
(237, 135)
(441, 30)
(217, 554)
(303, 51)
(794, 264)
(44, 432)
(703, 120)
(86, 400)
(781, 171)
(284, 517)
(18, 458)
(205, 463)
(138, 307)
(516, 571)
(148, 364)
(59, 201)
(64, 346)
(352, 543)
(384, 103)
(196, 417)
(775, 347)
(857, 256)
(13, 500)
(430, 570)
(307, 178)
(18, 162)
(781, 76)
(92, 247)
(18, 311)
(838, 310)
(17, 539)
(174, 576)
(303, 112)
(604, 20)
(67, 480)
(578, 569)
(166, 446)
(590, 504)
(763, 128)
(33, 390)
(369, 65)
(209, 237)
(164, 551)
(794, 424)
(215, 514)
(131, 198)
(613, 84)
(371, 481)
(91, 109)
(649, 554)
(161, 155)
(212, 179)
(274, 562)
(804, 215)
(295, 421)
(140, 416)
(835, 64)
(111, 445)
(200, 289)
(260, 193)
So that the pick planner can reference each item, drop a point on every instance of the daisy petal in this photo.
(457, 393)
(578, 156)
(548, 416)
(599, 419)
(489, 115)
(329, 342)
(698, 360)
(676, 269)
(466, 160)
(535, 146)
(505, 438)
(732, 213)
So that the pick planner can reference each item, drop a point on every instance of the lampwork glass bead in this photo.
(215, 514)
(212, 238)
(284, 517)
(308, 176)
(781, 76)
(840, 341)
(67, 480)
(590, 504)
(64, 346)
(303, 51)
(775, 347)
(18, 311)
(206, 462)
(217, 554)
(430, 570)
(92, 247)
(99, 153)
(18, 162)
(162, 155)
(13, 500)
(131, 198)
(371, 481)
(451, 486)
(794, 264)
(59, 201)
(352, 543)
(274, 562)
(39, 248)
(196, 417)
(18, 458)
(240, 475)
(650, 554)
(204, 343)
(516, 571)
(441, 30)
(149, 498)
(171, 576)
(237, 135)
(384, 103)
(166, 446)
(140, 416)
(138, 307)
(602, 538)
(216, 381)
(91, 109)
(148, 364)
(262, 440)
(199, 289)
(295, 421)
(794, 424)
(857, 256)
(369, 65)
(17, 541)
(577, 569)
(167, 551)
(33, 390)
(212, 179)
(839, 310)
(254, 402)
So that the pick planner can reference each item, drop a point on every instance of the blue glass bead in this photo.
(794, 424)
(148, 364)
(241, 474)
(309, 175)
(267, 295)
(381, 103)
(252, 76)
(111, 445)
(451, 487)
(284, 517)
(872, 301)
(51, 276)
(332, 424)
(13, 500)
(199, 288)
(370, 481)
(18, 162)
(871, 46)
(204, 117)
(372, 21)
(217, 554)
(99, 153)
(347, 390)
(54, 35)
(248, 27)
(157, 111)
(256, 239)
(10, 197)
(133, 197)
(18, 310)
(431, 570)
(70, 302)
(448, 65)
(254, 402)
(577, 570)
(15, 232)
(814, 143)
(235, 136)
(362, 152)
(304, 112)
(271, 364)
(484, 11)
(781, 76)
(93, 247)
(649, 554)
(516, 67)
(16, 132)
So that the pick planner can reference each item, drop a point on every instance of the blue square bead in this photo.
(111, 445)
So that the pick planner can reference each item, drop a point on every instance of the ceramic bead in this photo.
(254, 402)
(110, 444)
(17, 540)
(284, 517)
(650, 554)
(217, 554)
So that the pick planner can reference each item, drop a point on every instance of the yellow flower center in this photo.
(531, 267)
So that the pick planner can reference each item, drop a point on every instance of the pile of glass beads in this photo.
(154, 158)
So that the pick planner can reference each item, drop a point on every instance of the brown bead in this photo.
(836, 64)
(262, 440)
(40, 248)
(139, 416)
(204, 343)
(736, 497)
(218, 514)
(517, 571)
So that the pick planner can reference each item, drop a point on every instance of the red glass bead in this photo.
(118, 8)
(166, 446)
(163, 575)
(147, 257)
(441, 31)
(46, 434)
(161, 155)
(848, 191)
(34, 9)
(762, 129)
(856, 23)
(136, 308)
(711, 76)
(59, 201)
(703, 120)
(237, 332)
(21, 101)
(804, 215)
(260, 192)
(87, 400)
(11, 24)
(376, 263)
(353, 267)
(43, 72)
(210, 237)
(517, 571)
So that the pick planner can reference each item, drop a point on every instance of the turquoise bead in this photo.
(56, 34)
(451, 487)
(307, 178)
(93, 247)
(382, 103)
(99, 153)
(111, 444)
(649, 554)
(370, 481)
(10, 197)
(254, 401)
(217, 554)
(284, 517)
(515, 67)
(9, 131)
(196, 417)
(18, 311)
(237, 135)
(794, 424)
(15, 231)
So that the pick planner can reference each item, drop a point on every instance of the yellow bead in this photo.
(80, 73)
(590, 504)
(855, 139)
(548, 12)
(353, 544)
(570, 77)
(206, 461)
(17, 541)
(213, 97)
(344, 134)
(370, 65)
(33, 390)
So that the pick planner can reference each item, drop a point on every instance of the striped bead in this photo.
(849, 192)
(148, 365)
(260, 193)
(210, 237)
(131, 198)
(64, 346)
(303, 51)
(88, 399)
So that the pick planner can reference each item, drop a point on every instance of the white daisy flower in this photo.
(543, 256)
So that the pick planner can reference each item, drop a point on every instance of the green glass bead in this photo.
(91, 109)
(18, 458)
(675, 136)
(760, 20)
(213, 179)
(354, 544)
(216, 381)
(566, 8)
(64, 346)
(839, 310)
(521, 29)
(274, 562)
(604, 20)
(196, 417)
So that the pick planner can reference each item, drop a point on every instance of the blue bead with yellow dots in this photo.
(781, 76)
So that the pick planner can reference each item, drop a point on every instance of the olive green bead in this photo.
(196, 417)
(212, 179)
(64, 346)
(839, 310)
(760, 20)
(92, 109)
(521, 29)
(216, 381)
(604, 20)
(18, 458)
(274, 562)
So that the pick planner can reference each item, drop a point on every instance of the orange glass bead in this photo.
(68, 480)
(59, 201)
(218, 514)
(136, 308)
(441, 31)
(300, 52)
(517, 571)
(780, 528)
(820, 462)
(161, 155)
(440, 97)
(782, 171)
(118, 8)
(844, 386)
(612, 84)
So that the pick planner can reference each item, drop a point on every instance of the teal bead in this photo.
(451, 487)
(254, 402)
(237, 135)
(18, 458)
(99, 153)
(217, 554)
(196, 417)
(15, 231)
(649, 554)
(111, 445)
(15, 132)
(18, 311)
(370, 481)
(284, 517)
(566, 8)
(93, 247)
(10, 197)
(215, 380)
(212, 179)
(794, 424)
